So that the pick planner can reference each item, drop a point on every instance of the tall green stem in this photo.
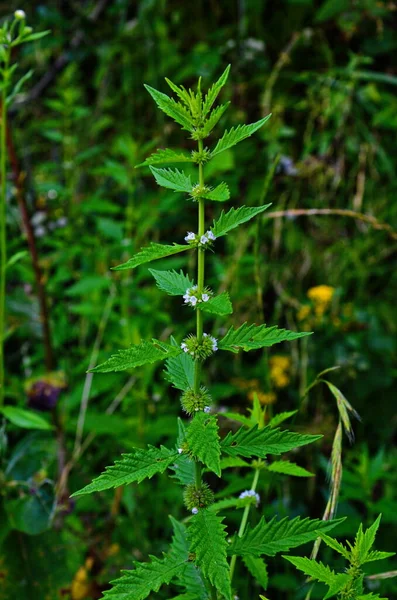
(243, 523)
(3, 245)
(200, 289)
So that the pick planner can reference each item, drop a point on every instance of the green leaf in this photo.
(281, 417)
(258, 569)
(335, 545)
(172, 179)
(203, 441)
(26, 419)
(135, 466)
(261, 442)
(162, 157)
(377, 555)
(180, 371)
(146, 578)
(370, 596)
(190, 579)
(316, 570)
(32, 512)
(152, 252)
(278, 536)
(237, 134)
(219, 194)
(365, 540)
(31, 37)
(235, 217)
(180, 91)
(214, 90)
(214, 118)
(171, 108)
(218, 305)
(142, 354)
(16, 258)
(288, 468)
(207, 538)
(171, 282)
(253, 337)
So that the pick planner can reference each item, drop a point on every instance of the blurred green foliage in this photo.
(326, 70)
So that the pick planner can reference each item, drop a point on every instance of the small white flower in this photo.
(251, 494)
(190, 237)
(193, 300)
(194, 511)
(203, 239)
(186, 298)
(205, 297)
(180, 450)
(52, 194)
(207, 409)
(210, 236)
(20, 15)
(184, 347)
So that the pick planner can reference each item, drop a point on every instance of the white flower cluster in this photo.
(203, 240)
(194, 511)
(250, 494)
(191, 297)
(213, 340)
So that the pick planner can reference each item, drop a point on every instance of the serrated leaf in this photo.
(171, 108)
(214, 90)
(207, 538)
(219, 194)
(253, 337)
(180, 91)
(261, 442)
(281, 417)
(172, 179)
(190, 579)
(335, 545)
(152, 252)
(171, 282)
(335, 581)
(214, 118)
(184, 470)
(230, 462)
(146, 578)
(203, 441)
(133, 467)
(258, 569)
(141, 354)
(218, 305)
(278, 536)
(179, 370)
(365, 540)
(378, 555)
(370, 596)
(237, 134)
(285, 467)
(235, 217)
(162, 157)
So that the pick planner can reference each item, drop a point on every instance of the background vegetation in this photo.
(322, 259)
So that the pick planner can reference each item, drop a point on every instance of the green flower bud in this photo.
(193, 402)
(197, 497)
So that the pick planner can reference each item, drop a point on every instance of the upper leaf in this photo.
(237, 134)
(218, 305)
(171, 282)
(152, 252)
(142, 354)
(180, 371)
(162, 157)
(219, 194)
(208, 541)
(261, 442)
(214, 118)
(320, 572)
(203, 441)
(279, 536)
(235, 217)
(172, 179)
(171, 108)
(335, 545)
(214, 90)
(288, 468)
(136, 466)
(253, 337)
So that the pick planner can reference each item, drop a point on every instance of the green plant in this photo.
(349, 584)
(200, 559)
(12, 33)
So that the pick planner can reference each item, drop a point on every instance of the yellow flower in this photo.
(304, 312)
(279, 370)
(321, 294)
(263, 397)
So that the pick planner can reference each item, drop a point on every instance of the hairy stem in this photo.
(3, 245)
(243, 523)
